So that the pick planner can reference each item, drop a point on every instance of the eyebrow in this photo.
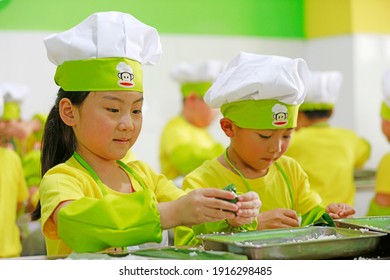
(109, 97)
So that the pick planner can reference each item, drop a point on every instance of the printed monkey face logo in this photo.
(125, 75)
(280, 115)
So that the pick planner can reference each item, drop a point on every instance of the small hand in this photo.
(248, 209)
(277, 218)
(340, 210)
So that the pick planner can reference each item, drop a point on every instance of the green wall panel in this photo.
(265, 18)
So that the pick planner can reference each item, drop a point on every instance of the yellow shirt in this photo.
(130, 156)
(329, 156)
(382, 184)
(70, 181)
(183, 147)
(13, 189)
(272, 188)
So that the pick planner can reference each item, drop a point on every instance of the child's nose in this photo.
(275, 146)
(126, 123)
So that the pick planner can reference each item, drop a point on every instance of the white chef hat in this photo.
(12, 94)
(385, 108)
(322, 91)
(196, 77)
(106, 51)
(260, 91)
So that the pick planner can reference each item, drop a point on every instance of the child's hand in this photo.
(340, 210)
(248, 209)
(277, 218)
(206, 205)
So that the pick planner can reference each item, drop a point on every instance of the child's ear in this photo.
(66, 111)
(227, 127)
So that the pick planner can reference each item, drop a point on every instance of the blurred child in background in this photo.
(13, 196)
(329, 155)
(185, 141)
(380, 204)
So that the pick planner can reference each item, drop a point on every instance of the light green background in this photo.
(265, 18)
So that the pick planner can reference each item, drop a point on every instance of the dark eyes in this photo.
(268, 137)
(112, 110)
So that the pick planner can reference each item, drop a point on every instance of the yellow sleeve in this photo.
(363, 152)
(189, 156)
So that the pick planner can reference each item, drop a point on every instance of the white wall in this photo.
(23, 60)
(361, 59)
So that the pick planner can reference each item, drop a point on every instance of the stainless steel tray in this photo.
(297, 243)
(361, 174)
(374, 223)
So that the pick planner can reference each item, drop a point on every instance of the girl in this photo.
(90, 200)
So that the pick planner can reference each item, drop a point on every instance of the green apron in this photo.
(92, 225)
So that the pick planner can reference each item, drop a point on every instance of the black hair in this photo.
(318, 114)
(58, 141)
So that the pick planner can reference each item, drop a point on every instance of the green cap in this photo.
(11, 111)
(199, 88)
(261, 114)
(315, 106)
(385, 111)
(100, 74)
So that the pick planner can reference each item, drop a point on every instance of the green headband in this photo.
(100, 74)
(199, 88)
(11, 111)
(385, 111)
(316, 106)
(261, 114)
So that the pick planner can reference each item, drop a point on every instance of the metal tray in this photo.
(187, 254)
(298, 243)
(361, 174)
(374, 223)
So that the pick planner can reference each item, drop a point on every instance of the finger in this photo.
(249, 196)
(218, 214)
(217, 193)
(247, 213)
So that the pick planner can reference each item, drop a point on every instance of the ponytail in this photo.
(58, 141)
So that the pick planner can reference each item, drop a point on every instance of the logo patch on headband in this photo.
(125, 75)
(280, 115)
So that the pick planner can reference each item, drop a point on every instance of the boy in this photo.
(259, 97)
